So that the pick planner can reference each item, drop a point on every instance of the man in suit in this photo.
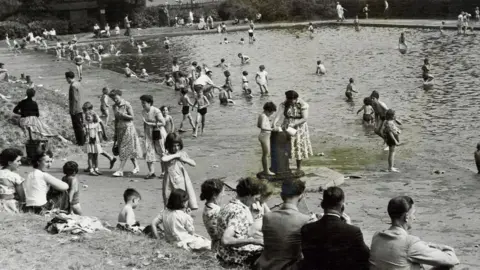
(75, 105)
(281, 230)
(330, 243)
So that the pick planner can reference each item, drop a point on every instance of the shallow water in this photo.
(440, 122)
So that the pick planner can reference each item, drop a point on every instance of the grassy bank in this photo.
(53, 112)
(26, 245)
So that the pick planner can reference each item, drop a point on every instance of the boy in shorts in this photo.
(186, 104)
(202, 103)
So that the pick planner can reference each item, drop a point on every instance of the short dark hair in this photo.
(399, 206)
(184, 91)
(9, 155)
(39, 155)
(226, 73)
(367, 101)
(245, 73)
(171, 140)
(332, 197)
(147, 98)
(130, 194)
(69, 75)
(177, 199)
(270, 107)
(70, 168)
(30, 92)
(292, 188)
(210, 188)
(390, 114)
(375, 94)
(115, 92)
(291, 94)
(248, 187)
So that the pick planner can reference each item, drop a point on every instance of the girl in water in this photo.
(265, 127)
(391, 134)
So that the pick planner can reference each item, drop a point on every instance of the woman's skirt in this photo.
(128, 142)
(300, 143)
(35, 125)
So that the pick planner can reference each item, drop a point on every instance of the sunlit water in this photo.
(435, 122)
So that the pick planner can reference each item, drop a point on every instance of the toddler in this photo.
(367, 110)
(70, 169)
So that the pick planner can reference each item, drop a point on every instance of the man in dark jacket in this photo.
(330, 243)
(75, 105)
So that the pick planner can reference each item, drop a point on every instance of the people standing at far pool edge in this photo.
(365, 11)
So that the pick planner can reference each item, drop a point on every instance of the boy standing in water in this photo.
(246, 89)
(186, 104)
(262, 80)
(391, 134)
(228, 84)
(350, 90)
(202, 103)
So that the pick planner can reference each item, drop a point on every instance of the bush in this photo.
(60, 26)
(239, 9)
(81, 26)
(150, 16)
(13, 29)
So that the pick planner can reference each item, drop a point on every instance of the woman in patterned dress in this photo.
(126, 138)
(11, 189)
(295, 115)
(211, 192)
(152, 121)
(236, 248)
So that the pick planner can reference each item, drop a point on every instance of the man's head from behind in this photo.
(69, 76)
(292, 190)
(333, 199)
(401, 211)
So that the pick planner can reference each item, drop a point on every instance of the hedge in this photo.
(13, 29)
(60, 26)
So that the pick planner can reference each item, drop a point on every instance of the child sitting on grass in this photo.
(126, 217)
(70, 169)
(178, 224)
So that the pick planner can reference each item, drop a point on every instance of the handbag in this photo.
(156, 135)
(115, 149)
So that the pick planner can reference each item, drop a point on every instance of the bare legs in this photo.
(391, 159)
(264, 139)
(185, 116)
(197, 126)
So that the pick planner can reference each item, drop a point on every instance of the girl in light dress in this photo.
(176, 176)
(212, 190)
(178, 224)
(92, 130)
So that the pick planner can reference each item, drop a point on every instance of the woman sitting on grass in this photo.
(11, 189)
(39, 182)
(178, 224)
(212, 189)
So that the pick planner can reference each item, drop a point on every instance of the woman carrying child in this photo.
(176, 176)
(155, 134)
(265, 127)
(391, 134)
(178, 224)
(212, 190)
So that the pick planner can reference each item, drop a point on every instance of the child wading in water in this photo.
(186, 104)
(202, 103)
(228, 84)
(265, 127)
(380, 110)
(391, 134)
(367, 110)
(176, 176)
(350, 90)
(243, 58)
(320, 68)
(169, 124)
(70, 169)
(262, 80)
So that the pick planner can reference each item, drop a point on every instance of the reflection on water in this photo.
(442, 120)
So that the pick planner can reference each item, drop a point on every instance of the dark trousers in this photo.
(77, 122)
(127, 31)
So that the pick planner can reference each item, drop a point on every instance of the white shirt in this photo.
(175, 68)
(386, 4)
(244, 79)
(322, 68)
(36, 188)
(262, 77)
(53, 32)
(203, 80)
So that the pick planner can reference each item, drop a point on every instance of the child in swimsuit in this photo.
(202, 103)
(186, 104)
(222, 64)
(367, 110)
(144, 74)
(70, 169)
(251, 37)
(169, 124)
(166, 44)
(228, 84)
(426, 70)
(265, 127)
(380, 110)
(242, 41)
(243, 58)
(356, 22)
(350, 90)
(391, 134)
(262, 80)
(320, 68)
(477, 158)
(168, 80)
(79, 63)
(246, 90)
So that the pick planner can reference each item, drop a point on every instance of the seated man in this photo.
(3, 73)
(281, 230)
(330, 243)
(395, 249)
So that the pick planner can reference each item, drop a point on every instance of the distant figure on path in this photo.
(75, 101)
(365, 10)
(356, 23)
(386, 11)
(340, 12)
(395, 249)
(3, 73)
(127, 25)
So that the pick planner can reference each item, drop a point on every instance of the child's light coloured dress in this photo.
(179, 230)
(153, 148)
(93, 139)
(176, 177)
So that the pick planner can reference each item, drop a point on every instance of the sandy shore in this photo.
(448, 205)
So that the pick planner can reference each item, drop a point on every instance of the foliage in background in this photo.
(156, 16)
(277, 10)
(13, 29)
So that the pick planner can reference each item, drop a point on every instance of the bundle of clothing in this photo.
(63, 223)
